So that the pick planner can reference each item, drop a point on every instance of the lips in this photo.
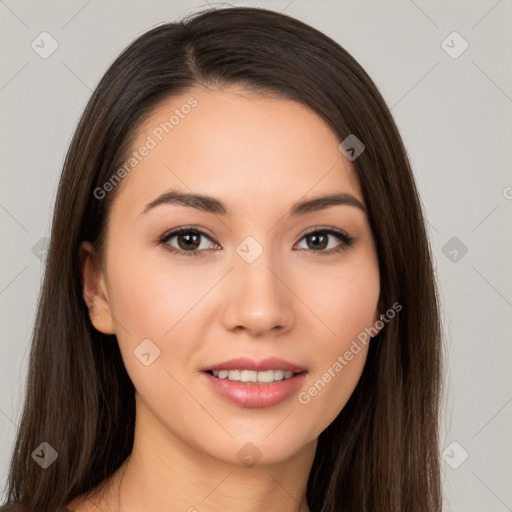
(265, 376)
(246, 363)
(252, 392)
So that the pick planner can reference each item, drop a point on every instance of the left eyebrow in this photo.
(212, 205)
(319, 203)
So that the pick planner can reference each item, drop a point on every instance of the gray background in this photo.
(454, 115)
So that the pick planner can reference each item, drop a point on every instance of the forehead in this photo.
(243, 147)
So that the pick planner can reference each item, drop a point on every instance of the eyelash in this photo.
(346, 240)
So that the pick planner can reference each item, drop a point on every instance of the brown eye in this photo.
(186, 241)
(317, 241)
(323, 241)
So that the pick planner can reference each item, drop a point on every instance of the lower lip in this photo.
(256, 394)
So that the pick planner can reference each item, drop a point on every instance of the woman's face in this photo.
(265, 283)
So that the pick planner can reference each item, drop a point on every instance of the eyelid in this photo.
(329, 229)
(176, 231)
(346, 240)
(171, 233)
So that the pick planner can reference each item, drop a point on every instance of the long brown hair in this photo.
(381, 452)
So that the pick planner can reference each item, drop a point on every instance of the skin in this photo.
(259, 155)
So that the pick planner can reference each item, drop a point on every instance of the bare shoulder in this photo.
(100, 499)
(97, 500)
(83, 504)
(78, 504)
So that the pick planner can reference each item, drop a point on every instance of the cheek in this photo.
(347, 305)
(151, 293)
(156, 299)
(344, 297)
(330, 386)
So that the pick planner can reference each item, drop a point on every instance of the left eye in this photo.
(319, 240)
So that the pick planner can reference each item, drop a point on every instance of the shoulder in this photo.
(84, 503)
(76, 505)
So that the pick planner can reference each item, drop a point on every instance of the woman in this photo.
(239, 309)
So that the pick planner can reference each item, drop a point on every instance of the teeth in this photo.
(248, 376)
(234, 375)
(278, 374)
(253, 376)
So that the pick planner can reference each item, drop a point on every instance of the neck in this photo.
(164, 472)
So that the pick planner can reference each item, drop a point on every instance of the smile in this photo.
(258, 388)
(253, 376)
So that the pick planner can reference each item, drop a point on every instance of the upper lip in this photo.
(247, 363)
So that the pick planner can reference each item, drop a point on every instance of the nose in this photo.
(258, 299)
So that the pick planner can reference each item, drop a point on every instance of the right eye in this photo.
(188, 240)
